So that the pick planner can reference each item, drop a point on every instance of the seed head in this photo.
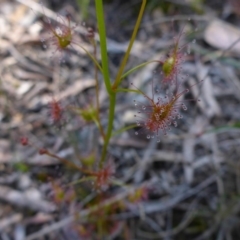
(170, 67)
(89, 113)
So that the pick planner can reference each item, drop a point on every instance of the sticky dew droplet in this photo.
(184, 107)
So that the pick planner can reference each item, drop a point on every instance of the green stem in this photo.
(110, 89)
(112, 99)
(112, 95)
(103, 44)
(125, 58)
(97, 91)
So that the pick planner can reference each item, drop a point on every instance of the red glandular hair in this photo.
(157, 115)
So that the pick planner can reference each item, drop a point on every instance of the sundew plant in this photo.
(155, 115)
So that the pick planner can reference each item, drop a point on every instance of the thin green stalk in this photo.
(137, 67)
(123, 129)
(125, 58)
(112, 99)
(97, 90)
(91, 56)
(103, 44)
(81, 180)
(128, 90)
